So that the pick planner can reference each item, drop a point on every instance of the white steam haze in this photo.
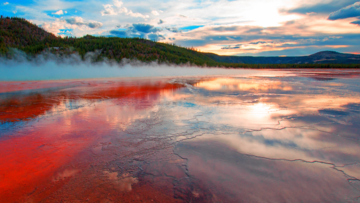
(47, 66)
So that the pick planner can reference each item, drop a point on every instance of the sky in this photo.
(224, 27)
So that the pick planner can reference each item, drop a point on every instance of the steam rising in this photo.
(47, 66)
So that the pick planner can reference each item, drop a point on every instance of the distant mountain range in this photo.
(21, 34)
(324, 57)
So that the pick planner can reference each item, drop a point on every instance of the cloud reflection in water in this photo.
(227, 139)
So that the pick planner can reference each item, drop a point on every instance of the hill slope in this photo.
(21, 34)
(16, 32)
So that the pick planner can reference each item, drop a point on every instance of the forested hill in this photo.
(23, 35)
(16, 32)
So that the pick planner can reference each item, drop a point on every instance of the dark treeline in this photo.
(23, 35)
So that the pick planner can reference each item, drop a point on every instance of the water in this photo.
(275, 136)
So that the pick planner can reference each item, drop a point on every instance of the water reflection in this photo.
(233, 84)
(72, 120)
(228, 139)
(301, 124)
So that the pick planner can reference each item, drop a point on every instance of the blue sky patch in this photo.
(189, 28)
(64, 13)
(66, 32)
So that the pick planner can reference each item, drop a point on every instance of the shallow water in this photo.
(277, 137)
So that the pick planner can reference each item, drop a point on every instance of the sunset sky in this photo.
(225, 27)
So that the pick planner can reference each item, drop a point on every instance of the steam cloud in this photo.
(47, 66)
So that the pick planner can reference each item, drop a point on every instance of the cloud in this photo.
(226, 28)
(238, 46)
(59, 12)
(109, 10)
(80, 22)
(118, 3)
(119, 33)
(53, 27)
(6, 3)
(324, 7)
(258, 42)
(155, 37)
(346, 12)
(155, 13)
(117, 8)
(356, 22)
(191, 42)
(139, 30)
(144, 28)
(309, 34)
(172, 29)
(223, 25)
